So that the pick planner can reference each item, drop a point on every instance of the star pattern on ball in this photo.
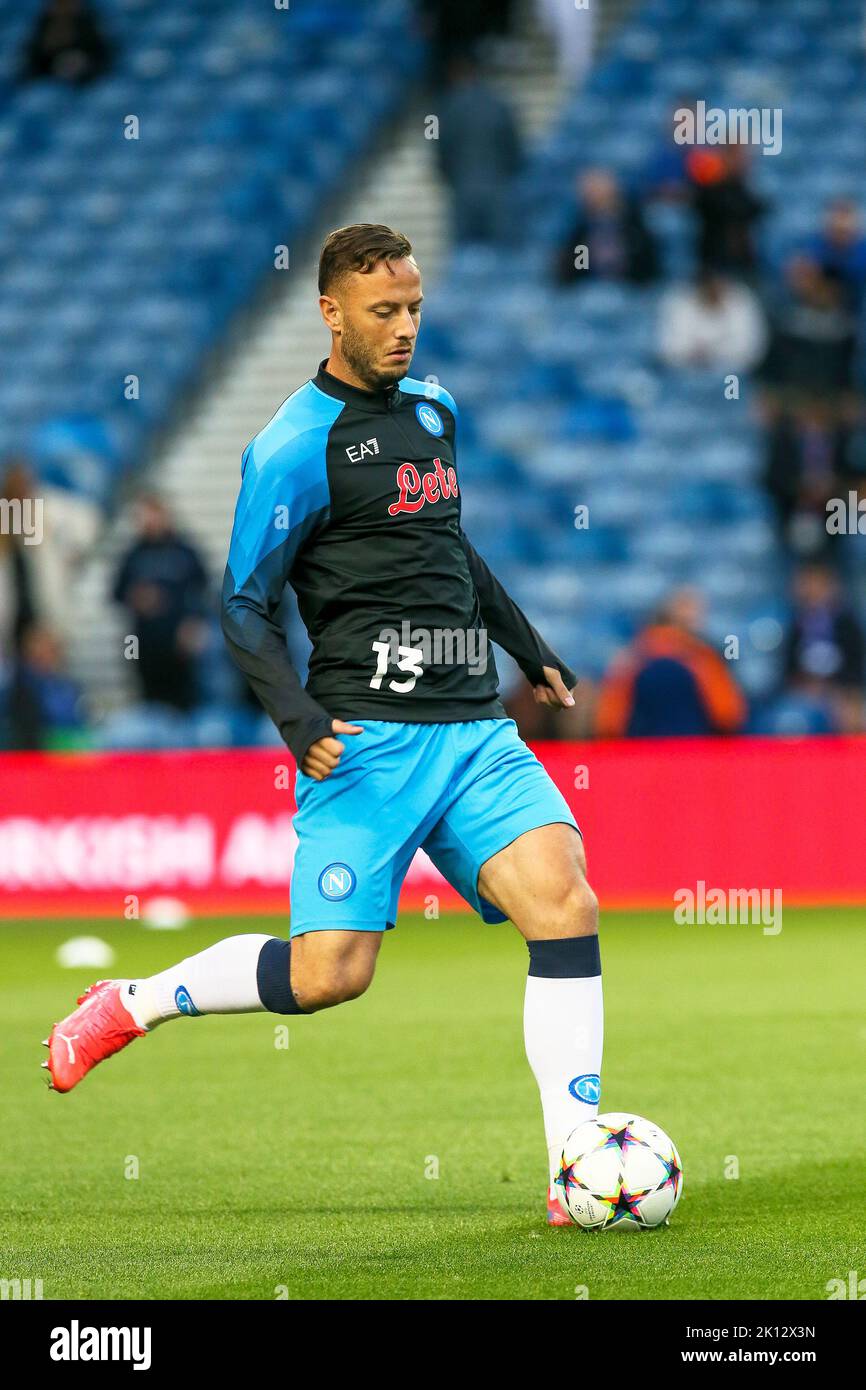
(626, 1206)
(673, 1173)
(565, 1177)
(622, 1138)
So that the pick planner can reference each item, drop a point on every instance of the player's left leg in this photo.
(539, 882)
(509, 843)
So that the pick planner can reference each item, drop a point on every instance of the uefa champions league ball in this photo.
(619, 1171)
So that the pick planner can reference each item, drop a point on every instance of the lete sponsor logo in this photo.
(415, 490)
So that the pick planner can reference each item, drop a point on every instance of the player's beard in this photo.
(360, 356)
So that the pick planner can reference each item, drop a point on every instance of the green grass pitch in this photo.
(302, 1171)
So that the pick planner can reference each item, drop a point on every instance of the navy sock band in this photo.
(567, 958)
(273, 978)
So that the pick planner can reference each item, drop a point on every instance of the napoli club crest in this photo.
(586, 1088)
(337, 882)
(429, 418)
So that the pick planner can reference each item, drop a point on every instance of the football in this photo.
(619, 1171)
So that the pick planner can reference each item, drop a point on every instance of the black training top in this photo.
(352, 497)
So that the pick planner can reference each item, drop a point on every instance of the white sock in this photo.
(219, 980)
(563, 1024)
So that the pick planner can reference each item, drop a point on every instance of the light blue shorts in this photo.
(461, 792)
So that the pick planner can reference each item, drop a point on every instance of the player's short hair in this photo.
(360, 247)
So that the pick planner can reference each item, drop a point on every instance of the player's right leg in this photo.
(353, 848)
(252, 973)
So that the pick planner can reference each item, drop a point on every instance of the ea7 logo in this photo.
(356, 452)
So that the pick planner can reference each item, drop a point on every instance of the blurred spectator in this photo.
(667, 175)
(610, 224)
(67, 44)
(811, 457)
(840, 249)
(8, 608)
(571, 27)
(457, 27)
(813, 338)
(726, 208)
(712, 323)
(534, 721)
(162, 583)
(824, 654)
(17, 557)
(538, 723)
(20, 537)
(670, 681)
(479, 154)
(45, 702)
(68, 524)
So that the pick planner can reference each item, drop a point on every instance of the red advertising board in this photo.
(80, 833)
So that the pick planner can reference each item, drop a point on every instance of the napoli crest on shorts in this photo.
(336, 882)
(586, 1088)
(429, 418)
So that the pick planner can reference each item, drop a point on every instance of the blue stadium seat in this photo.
(256, 171)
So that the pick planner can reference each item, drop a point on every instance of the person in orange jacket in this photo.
(670, 681)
